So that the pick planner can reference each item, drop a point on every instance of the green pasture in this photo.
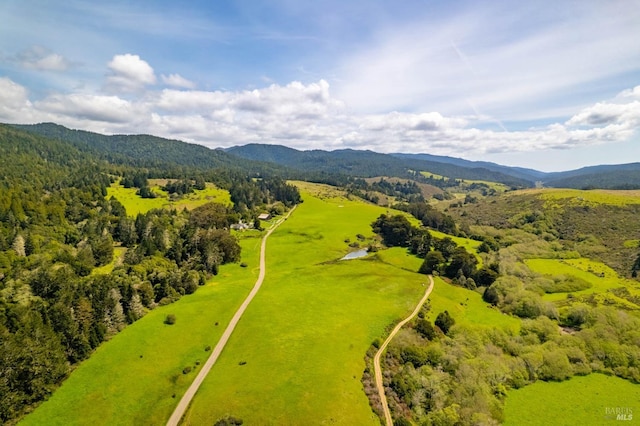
(499, 187)
(297, 355)
(467, 243)
(601, 277)
(399, 257)
(433, 175)
(132, 379)
(582, 400)
(135, 204)
(583, 197)
(467, 307)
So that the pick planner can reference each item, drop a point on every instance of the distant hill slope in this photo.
(619, 176)
(368, 163)
(27, 158)
(518, 172)
(147, 150)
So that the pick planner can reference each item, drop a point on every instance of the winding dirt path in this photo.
(376, 358)
(174, 420)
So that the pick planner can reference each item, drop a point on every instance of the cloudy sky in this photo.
(552, 85)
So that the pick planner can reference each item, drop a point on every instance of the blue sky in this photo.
(552, 85)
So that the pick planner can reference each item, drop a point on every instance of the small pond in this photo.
(355, 254)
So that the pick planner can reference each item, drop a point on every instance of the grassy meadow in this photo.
(601, 277)
(583, 197)
(131, 379)
(297, 355)
(586, 400)
(134, 204)
(467, 307)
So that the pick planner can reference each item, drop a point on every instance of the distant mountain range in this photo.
(153, 151)
(368, 164)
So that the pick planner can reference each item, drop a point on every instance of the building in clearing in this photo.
(240, 226)
(264, 216)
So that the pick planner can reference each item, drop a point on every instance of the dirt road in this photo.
(174, 420)
(376, 359)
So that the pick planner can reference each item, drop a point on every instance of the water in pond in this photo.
(355, 254)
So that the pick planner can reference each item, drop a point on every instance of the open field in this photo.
(582, 400)
(469, 244)
(601, 277)
(135, 204)
(498, 187)
(581, 197)
(298, 353)
(467, 307)
(131, 378)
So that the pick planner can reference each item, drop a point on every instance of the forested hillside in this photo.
(367, 164)
(57, 229)
(150, 151)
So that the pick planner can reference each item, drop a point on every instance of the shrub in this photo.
(425, 328)
(186, 370)
(170, 319)
(444, 321)
(228, 421)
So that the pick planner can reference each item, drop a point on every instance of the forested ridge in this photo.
(57, 227)
(367, 164)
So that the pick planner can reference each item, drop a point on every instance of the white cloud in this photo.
(176, 80)
(14, 101)
(606, 113)
(40, 58)
(108, 109)
(191, 100)
(631, 93)
(129, 73)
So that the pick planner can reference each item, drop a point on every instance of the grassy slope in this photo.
(305, 335)
(581, 400)
(117, 386)
(134, 204)
(601, 277)
(467, 307)
(595, 196)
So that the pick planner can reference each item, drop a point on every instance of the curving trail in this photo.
(174, 420)
(376, 358)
